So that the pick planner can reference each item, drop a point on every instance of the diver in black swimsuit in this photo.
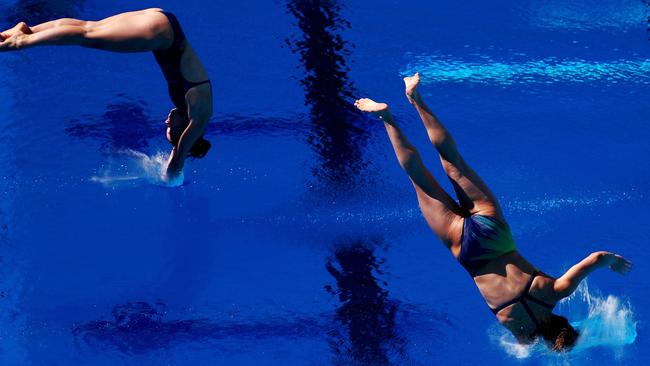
(150, 30)
(475, 231)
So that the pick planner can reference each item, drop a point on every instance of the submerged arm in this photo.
(567, 284)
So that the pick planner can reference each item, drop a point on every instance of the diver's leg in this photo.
(473, 194)
(56, 23)
(440, 210)
(139, 31)
(70, 21)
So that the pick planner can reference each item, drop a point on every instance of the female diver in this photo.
(140, 31)
(476, 233)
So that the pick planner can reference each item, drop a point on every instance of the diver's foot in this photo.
(13, 43)
(20, 28)
(411, 83)
(370, 106)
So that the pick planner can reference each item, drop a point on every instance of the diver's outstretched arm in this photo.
(473, 194)
(138, 31)
(439, 209)
(569, 281)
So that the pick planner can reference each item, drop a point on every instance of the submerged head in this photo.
(176, 123)
(559, 333)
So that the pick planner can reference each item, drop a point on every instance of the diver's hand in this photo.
(174, 165)
(172, 176)
(617, 263)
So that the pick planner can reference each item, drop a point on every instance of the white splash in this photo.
(129, 168)
(609, 323)
(516, 349)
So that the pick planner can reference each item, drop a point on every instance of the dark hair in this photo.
(559, 333)
(200, 148)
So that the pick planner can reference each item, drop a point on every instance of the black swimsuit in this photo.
(170, 63)
(523, 298)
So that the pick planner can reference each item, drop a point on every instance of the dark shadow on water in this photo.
(124, 125)
(39, 11)
(368, 334)
(257, 125)
(337, 133)
(4, 229)
(362, 331)
(139, 327)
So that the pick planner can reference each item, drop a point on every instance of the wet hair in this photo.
(559, 333)
(200, 148)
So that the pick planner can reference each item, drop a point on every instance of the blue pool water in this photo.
(297, 240)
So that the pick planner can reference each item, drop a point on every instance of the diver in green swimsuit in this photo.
(476, 233)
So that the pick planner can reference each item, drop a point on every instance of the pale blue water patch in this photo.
(550, 70)
(585, 15)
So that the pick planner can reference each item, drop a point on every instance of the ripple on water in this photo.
(587, 15)
(551, 70)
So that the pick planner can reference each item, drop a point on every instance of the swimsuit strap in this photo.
(539, 302)
(189, 85)
(525, 295)
(503, 306)
(530, 283)
(199, 83)
(178, 41)
(530, 313)
(523, 298)
(170, 59)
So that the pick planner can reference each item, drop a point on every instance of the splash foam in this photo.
(609, 322)
(129, 168)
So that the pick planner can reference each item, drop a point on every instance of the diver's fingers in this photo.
(626, 268)
(627, 265)
(620, 257)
